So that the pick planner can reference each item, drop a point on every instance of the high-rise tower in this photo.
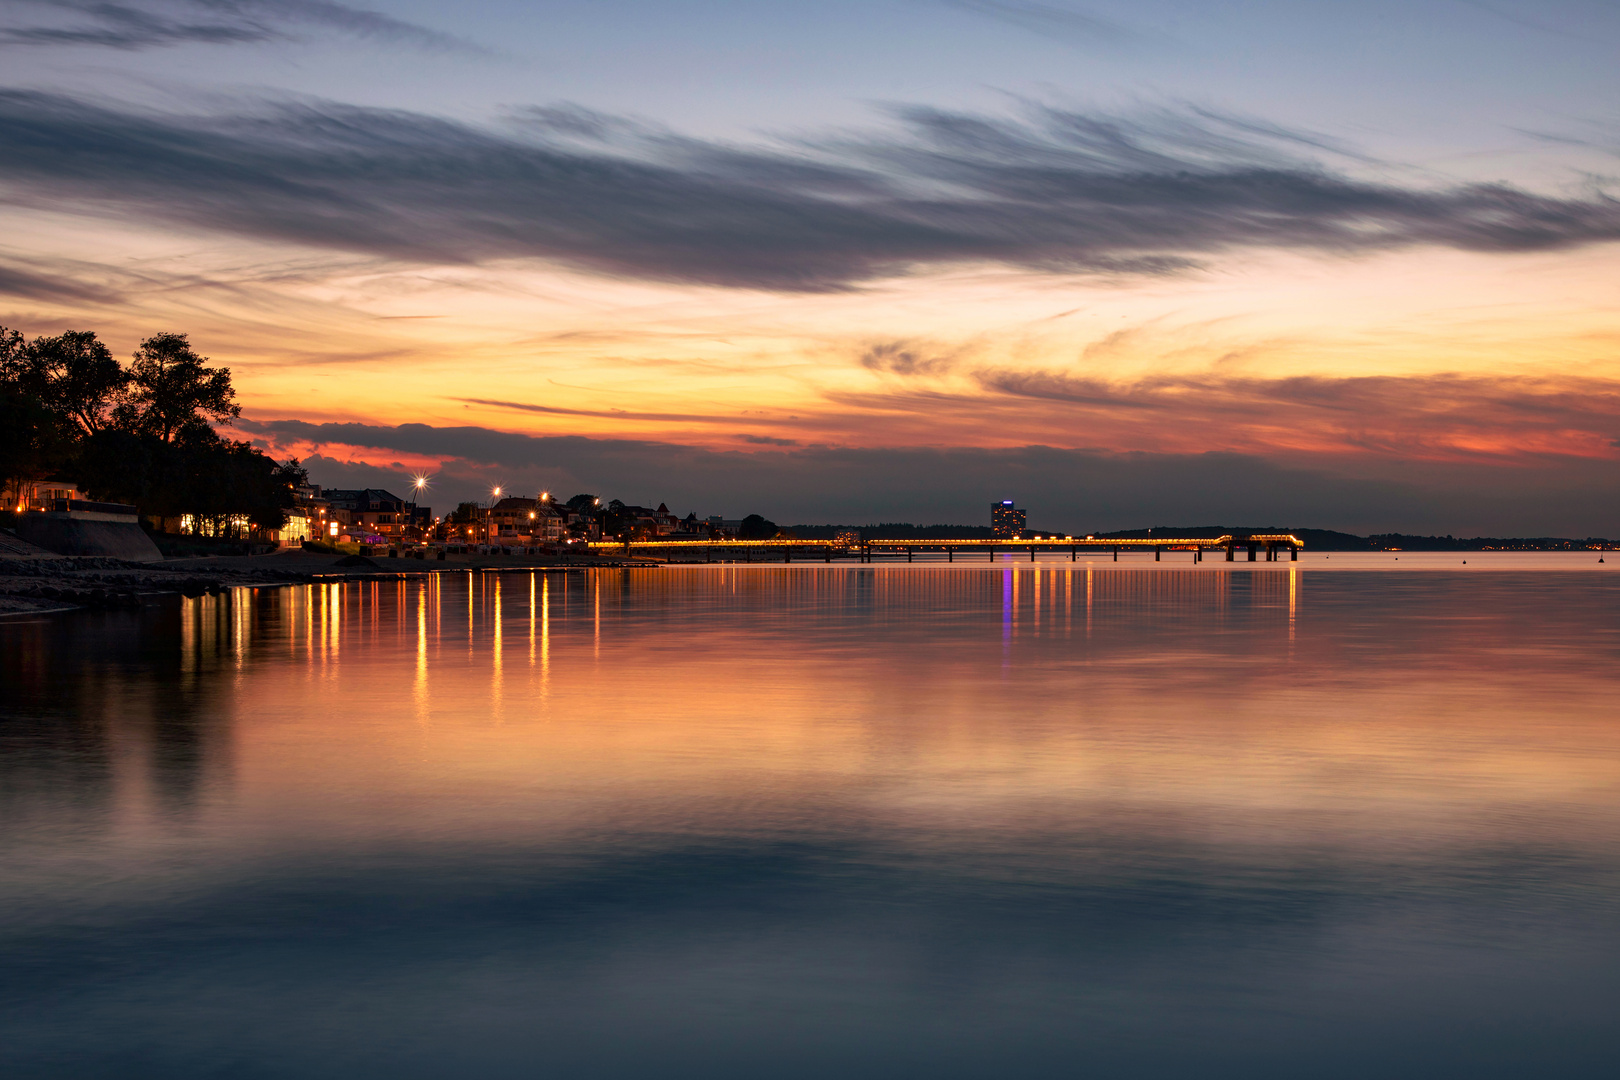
(1006, 519)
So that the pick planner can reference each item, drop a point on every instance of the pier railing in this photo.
(1273, 544)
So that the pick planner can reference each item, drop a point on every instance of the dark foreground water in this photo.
(802, 822)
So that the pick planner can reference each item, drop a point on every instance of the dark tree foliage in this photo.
(37, 429)
(615, 522)
(755, 527)
(213, 480)
(238, 481)
(73, 375)
(12, 348)
(582, 503)
(143, 435)
(32, 443)
(466, 513)
(121, 466)
(172, 391)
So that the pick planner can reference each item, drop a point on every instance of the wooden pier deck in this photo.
(1272, 544)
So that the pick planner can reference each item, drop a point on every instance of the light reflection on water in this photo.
(886, 821)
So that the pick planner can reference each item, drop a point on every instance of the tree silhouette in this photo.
(73, 375)
(173, 391)
(755, 527)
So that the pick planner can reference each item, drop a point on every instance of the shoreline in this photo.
(39, 584)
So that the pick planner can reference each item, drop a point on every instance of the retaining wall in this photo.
(114, 535)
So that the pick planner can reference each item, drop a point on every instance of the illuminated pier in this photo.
(1272, 544)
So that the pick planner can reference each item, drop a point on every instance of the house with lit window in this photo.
(646, 523)
(372, 515)
(40, 494)
(518, 522)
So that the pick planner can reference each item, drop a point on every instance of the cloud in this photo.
(1448, 415)
(1056, 192)
(1482, 419)
(611, 414)
(34, 285)
(1075, 490)
(1048, 21)
(1504, 12)
(899, 359)
(146, 24)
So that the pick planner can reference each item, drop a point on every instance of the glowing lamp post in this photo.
(495, 494)
(418, 485)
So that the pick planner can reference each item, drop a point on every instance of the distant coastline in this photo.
(1314, 539)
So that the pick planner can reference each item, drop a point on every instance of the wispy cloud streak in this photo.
(147, 24)
(33, 284)
(1048, 20)
(1059, 192)
(1449, 416)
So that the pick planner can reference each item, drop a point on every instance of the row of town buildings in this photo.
(366, 516)
(517, 521)
(363, 515)
(375, 516)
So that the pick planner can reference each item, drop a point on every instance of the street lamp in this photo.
(495, 493)
(419, 484)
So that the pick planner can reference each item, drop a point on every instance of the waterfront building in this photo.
(646, 523)
(40, 494)
(372, 515)
(1007, 520)
(518, 522)
(298, 527)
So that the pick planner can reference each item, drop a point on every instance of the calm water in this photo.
(807, 822)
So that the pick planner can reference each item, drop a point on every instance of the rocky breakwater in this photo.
(44, 584)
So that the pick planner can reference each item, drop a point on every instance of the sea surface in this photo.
(989, 820)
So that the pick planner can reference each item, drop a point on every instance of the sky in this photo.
(1320, 263)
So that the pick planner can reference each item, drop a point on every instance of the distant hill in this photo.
(1386, 541)
(1315, 539)
(892, 530)
(1328, 540)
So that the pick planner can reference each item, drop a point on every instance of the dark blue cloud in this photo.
(1074, 490)
(147, 24)
(1059, 191)
(1050, 21)
(33, 284)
